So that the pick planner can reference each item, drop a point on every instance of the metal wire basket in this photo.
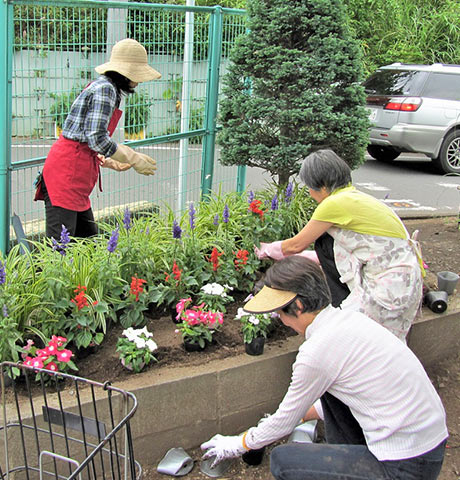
(64, 427)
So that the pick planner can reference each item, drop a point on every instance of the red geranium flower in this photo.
(254, 207)
(241, 258)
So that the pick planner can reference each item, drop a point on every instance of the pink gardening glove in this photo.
(272, 250)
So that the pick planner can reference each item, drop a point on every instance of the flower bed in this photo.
(80, 289)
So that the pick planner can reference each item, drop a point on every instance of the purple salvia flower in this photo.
(56, 246)
(127, 219)
(251, 196)
(216, 219)
(191, 213)
(176, 230)
(113, 241)
(65, 239)
(275, 202)
(226, 214)
(288, 192)
(147, 231)
(2, 274)
(5, 311)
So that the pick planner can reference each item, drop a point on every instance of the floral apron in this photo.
(71, 171)
(383, 275)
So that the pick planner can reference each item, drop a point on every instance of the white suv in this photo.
(415, 108)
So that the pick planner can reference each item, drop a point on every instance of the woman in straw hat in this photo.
(72, 166)
(349, 356)
(371, 263)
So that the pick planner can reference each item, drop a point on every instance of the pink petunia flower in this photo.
(37, 363)
(64, 355)
(52, 366)
(51, 349)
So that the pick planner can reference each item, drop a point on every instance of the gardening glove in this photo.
(113, 164)
(223, 447)
(272, 250)
(140, 162)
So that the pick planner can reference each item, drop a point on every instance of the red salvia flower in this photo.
(80, 299)
(254, 207)
(215, 258)
(241, 258)
(176, 272)
(137, 286)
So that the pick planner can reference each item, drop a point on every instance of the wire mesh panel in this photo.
(64, 427)
(56, 47)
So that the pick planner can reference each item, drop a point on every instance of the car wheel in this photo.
(448, 160)
(383, 154)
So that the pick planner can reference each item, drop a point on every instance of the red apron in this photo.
(71, 170)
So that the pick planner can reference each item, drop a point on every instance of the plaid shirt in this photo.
(90, 115)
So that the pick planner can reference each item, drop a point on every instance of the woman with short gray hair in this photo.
(370, 262)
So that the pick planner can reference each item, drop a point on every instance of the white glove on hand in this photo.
(272, 250)
(140, 162)
(223, 447)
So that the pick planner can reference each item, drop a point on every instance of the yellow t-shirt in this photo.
(351, 209)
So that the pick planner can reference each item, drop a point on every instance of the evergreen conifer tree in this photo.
(292, 87)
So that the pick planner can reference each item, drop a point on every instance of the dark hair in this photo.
(324, 168)
(121, 82)
(305, 278)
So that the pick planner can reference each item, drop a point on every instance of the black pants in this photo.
(339, 424)
(324, 248)
(78, 224)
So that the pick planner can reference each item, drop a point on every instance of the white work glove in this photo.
(223, 447)
(113, 164)
(140, 162)
(272, 250)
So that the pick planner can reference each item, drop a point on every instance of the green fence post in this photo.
(5, 123)
(212, 94)
(241, 178)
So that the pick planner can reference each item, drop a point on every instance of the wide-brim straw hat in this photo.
(268, 300)
(129, 58)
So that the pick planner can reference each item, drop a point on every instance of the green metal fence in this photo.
(50, 49)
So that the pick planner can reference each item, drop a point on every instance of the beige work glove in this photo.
(140, 162)
(113, 164)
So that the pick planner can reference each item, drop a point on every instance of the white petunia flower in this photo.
(140, 342)
(130, 334)
(240, 313)
(214, 289)
(152, 346)
(254, 320)
(145, 332)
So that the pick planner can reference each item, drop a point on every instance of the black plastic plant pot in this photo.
(254, 457)
(436, 301)
(193, 347)
(255, 347)
(173, 313)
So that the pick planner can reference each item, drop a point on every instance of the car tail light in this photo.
(409, 104)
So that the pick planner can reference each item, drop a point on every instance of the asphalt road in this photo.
(410, 185)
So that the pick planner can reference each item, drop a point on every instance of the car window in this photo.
(442, 85)
(395, 82)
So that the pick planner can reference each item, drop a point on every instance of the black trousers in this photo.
(78, 224)
(324, 248)
(339, 424)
